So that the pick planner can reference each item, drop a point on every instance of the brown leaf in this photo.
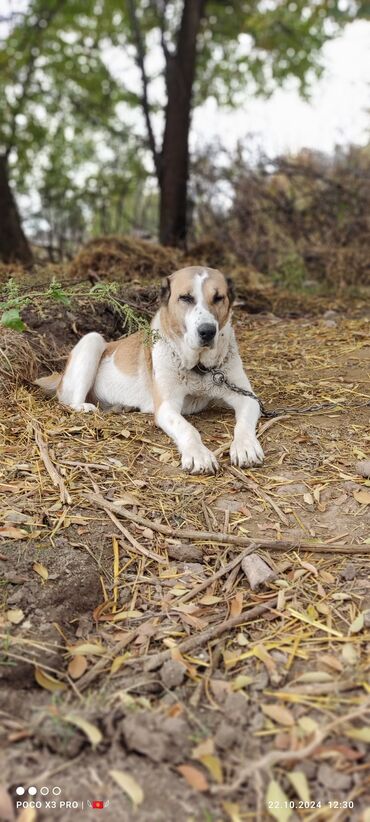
(280, 714)
(362, 496)
(77, 666)
(236, 606)
(12, 533)
(194, 777)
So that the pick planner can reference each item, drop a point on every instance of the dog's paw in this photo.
(199, 460)
(85, 406)
(246, 452)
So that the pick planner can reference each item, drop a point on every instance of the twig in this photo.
(225, 539)
(155, 660)
(258, 491)
(279, 757)
(54, 475)
(225, 570)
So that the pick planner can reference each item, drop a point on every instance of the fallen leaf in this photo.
(277, 802)
(41, 570)
(315, 676)
(118, 662)
(308, 725)
(362, 496)
(280, 714)
(331, 661)
(15, 616)
(129, 785)
(91, 731)
(236, 606)
(12, 533)
(77, 666)
(232, 811)
(85, 648)
(241, 681)
(205, 748)
(48, 682)
(209, 599)
(213, 765)
(357, 624)
(194, 777)
(300, 784)
(363, 734)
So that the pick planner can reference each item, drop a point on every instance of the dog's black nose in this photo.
(206, 332)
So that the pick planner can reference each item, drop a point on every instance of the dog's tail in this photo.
(50, 383)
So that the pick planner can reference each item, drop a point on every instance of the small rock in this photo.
(330, 314)
(333, 779)
(185, 552)
(363, 468)
(226, 736)
(159, 738)
(349, 572)
(260, 681)
(172, 673)
(330, 323)
(235, 707)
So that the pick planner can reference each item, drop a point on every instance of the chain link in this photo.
(219, 378)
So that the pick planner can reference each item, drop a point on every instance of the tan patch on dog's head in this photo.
(178, 297)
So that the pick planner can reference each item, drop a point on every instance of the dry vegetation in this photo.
(138, 666)
(302, 220)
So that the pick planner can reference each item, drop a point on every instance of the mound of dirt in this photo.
(125, 258)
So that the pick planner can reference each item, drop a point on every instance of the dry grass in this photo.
(307, 642)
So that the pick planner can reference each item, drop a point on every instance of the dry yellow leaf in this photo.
(48, 682)
(213, 765)
(91, 731)
(41, 570)
(129, 785)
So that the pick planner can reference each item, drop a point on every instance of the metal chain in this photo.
(219, 378)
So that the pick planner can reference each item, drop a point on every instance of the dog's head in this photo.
(197, 303)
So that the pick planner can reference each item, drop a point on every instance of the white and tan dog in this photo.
(192, 328)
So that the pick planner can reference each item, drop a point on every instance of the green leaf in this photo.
(12, 319)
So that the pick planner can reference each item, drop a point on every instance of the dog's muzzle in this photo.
(207, 333)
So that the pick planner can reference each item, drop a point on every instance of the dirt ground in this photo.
(268, 718)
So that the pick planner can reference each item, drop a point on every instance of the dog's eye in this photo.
(218, 298)
(186, 298)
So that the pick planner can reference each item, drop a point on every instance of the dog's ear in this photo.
(165, 292)
(230, 290)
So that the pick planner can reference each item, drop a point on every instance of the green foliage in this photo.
(65, 107)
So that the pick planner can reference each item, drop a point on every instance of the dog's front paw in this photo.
(86, 407)
(199, 460)
(246, 451)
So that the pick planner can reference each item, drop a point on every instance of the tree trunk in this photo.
(13, 243)
(175, 149)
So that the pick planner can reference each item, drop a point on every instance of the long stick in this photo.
(228, 539)
(50, 467)
(155, 660)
